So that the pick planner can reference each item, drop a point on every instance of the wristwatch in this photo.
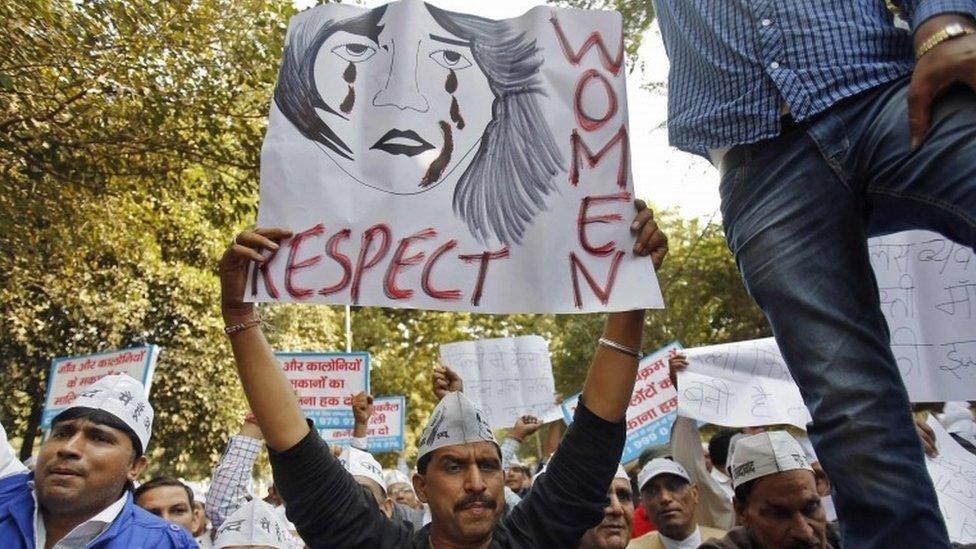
(950, 31)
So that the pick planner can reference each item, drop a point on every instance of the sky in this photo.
(666, 177)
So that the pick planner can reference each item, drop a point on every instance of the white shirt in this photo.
(724, 481)
(691, 542)
(80, 535)
(9, 464)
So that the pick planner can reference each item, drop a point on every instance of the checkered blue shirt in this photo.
(736, 63)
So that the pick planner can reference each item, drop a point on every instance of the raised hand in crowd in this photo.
(267, 389)
(446, 380)
(927, 436)
(676, 363)
(362, 410)
(525, 426)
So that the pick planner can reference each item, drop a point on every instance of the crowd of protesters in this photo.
(829, 122)
(759, 487)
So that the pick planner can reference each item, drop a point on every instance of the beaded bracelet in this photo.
(610, 344)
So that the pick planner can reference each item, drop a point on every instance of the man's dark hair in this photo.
(718, 449)
(160, 482)
(743, 491)
(101, 417)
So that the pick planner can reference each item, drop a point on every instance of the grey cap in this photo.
(766, 454)
(455, 420)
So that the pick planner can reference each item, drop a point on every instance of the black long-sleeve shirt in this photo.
(330, 510)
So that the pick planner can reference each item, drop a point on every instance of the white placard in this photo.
(385, 431)
(740, 384)
(325, 384)
(438, 160)
(506, 377)
(72, 374)
(953, 474)
(927, 288)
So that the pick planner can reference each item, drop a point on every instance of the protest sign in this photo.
(506, 377)
(73, 374)
(927, 289)
(568, 407)
(953, 474)
(479, 165)
(385, 430)
(325, 384)
(740, 384)
(652, 404)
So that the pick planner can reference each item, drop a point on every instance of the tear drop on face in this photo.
(451, 86)
(349, 75)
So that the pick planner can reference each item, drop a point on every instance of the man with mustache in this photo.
(459, 468)
(670, 499)
(618, 515)
(79, 494)
(777, 504)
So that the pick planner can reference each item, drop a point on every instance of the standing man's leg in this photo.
(798, 232)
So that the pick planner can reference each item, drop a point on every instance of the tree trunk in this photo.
(34, 421)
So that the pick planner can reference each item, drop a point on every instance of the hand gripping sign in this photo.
(439, 160)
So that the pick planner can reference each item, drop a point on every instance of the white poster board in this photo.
(477, 165)
(72, 374)
(325, 384)
(385, 430)
(927, 289)
(506, 377)
(740, 384)
(953, 474)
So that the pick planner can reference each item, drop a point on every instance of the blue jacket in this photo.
(134, 528)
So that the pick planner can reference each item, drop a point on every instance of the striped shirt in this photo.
(735, 64)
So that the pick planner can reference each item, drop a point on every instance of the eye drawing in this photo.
(354, 52)
(450, 59)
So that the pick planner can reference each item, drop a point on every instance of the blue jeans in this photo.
(797, 211)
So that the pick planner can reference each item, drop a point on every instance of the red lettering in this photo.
(399, 263)
(586, 121)
(595, 38)
(603, 294)
(429, 289)
(292, 266)
(580, 147)
(583, 220)
(483, 258)
(332, 250)
(362, 265)
(269, 285)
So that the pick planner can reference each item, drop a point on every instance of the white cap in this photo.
(123, 397)
(766, 454)
(455, 420)
(621, 473)
(395, 476)
(362, 464)
(254, 523)
(660, 466)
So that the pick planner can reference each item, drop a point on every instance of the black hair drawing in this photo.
(510, 175)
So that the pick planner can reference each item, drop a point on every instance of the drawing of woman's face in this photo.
(411, 104)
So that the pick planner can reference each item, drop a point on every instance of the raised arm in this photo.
(322, 499)
(362, 410)
(229, 484)
(267, 389)
(613, 370)
(569, 498)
